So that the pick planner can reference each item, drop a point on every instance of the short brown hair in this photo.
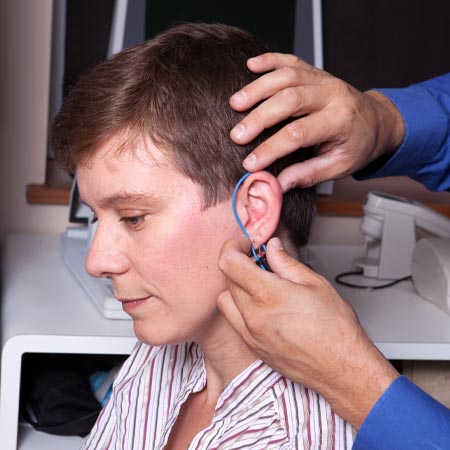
(175, 89)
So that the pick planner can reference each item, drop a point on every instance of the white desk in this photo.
(45, 310)
(401, 323)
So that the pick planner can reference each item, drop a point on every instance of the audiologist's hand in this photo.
(351, 128)
(295, 321)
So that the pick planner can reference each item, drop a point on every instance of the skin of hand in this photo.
(295, 321)
(350, 128)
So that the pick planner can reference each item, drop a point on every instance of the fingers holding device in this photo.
(295, 321)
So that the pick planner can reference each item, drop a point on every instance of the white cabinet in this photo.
(45, 310)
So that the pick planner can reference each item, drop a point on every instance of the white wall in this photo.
(25, 28)
(336, 230)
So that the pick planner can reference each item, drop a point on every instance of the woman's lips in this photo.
(129, 305)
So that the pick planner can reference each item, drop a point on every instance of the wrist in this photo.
(389, 124)
(366, 376)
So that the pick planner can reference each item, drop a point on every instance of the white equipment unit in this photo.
(389, 230)
(75, 242)
(430, 270)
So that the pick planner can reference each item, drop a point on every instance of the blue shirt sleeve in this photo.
(405, 418)
(425, 153)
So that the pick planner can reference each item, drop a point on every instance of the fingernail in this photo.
(238, 131)
(285, 187)
(276, 243)
(256, 59)
(250, 161)
(239, 97)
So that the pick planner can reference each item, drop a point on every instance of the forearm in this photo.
(361, 376)
(388, 123)
(424, 154)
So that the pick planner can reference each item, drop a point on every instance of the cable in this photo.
(338, 279)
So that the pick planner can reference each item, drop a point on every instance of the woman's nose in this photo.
(105, 256)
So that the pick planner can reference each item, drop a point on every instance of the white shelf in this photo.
(30, 439)
(401, 323)
(41, 296)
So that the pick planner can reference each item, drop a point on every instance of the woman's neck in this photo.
(226, 356)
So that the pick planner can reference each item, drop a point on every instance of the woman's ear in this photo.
(258, 203)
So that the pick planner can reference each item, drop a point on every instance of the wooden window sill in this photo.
(42, 194)
(327, 206)
(55, 190)
(330, 206)
(346, 200)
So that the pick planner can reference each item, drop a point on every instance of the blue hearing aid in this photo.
(260, 253)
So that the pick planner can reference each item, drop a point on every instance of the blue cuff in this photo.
(426, 130)
(406, 418)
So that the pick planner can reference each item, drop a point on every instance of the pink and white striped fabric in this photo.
(259, 409)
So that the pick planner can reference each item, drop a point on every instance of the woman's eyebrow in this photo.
(116, 199)
(125, 197)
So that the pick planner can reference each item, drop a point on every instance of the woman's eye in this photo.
(133, 221)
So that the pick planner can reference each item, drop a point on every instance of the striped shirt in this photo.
(259, 409)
